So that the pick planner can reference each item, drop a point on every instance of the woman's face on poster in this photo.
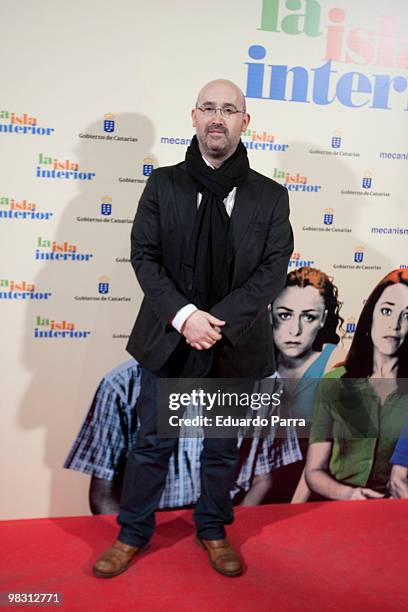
(390, 319)
(298, 315)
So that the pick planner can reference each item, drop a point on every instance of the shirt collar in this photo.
(208, 163)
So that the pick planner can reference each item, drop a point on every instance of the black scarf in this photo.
(209, 260)
(210, 255)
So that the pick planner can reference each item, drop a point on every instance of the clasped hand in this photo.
(201, 330)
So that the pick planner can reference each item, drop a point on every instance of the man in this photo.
(210, 246)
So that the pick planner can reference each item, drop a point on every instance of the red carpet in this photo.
(317, 556)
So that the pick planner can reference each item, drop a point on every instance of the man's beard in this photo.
(216, 152)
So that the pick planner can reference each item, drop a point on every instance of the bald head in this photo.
(218, 132)
(224, 88)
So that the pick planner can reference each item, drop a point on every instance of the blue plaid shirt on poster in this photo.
(108, 432)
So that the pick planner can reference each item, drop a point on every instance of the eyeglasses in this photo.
(226, 111)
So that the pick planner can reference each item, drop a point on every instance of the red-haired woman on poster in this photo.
(307, 327)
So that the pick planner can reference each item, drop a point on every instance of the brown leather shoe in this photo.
(116, 559)
(222, 557)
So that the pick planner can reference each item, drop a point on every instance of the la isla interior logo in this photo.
(12, 208)
(23, 123)
(63, 329)
(297, 261)
(21, 290)
(53, 168)
(51, 250)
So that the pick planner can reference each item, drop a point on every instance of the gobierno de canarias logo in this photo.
(51, 250)
(106, 206)
(14, 123)
(327, 224)
(21, 290)
(148, 165)
(11, 208)
(351, 325)
(336, 140)
(359, 254)
(50, 328)
(367, 180)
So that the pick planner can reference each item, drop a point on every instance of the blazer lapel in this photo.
(247, 201)
(186, 201)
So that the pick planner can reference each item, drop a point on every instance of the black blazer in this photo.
(263, 244)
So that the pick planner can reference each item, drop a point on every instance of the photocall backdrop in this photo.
(94, 96)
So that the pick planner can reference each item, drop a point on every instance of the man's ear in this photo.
(245, 122)
(193, 116)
